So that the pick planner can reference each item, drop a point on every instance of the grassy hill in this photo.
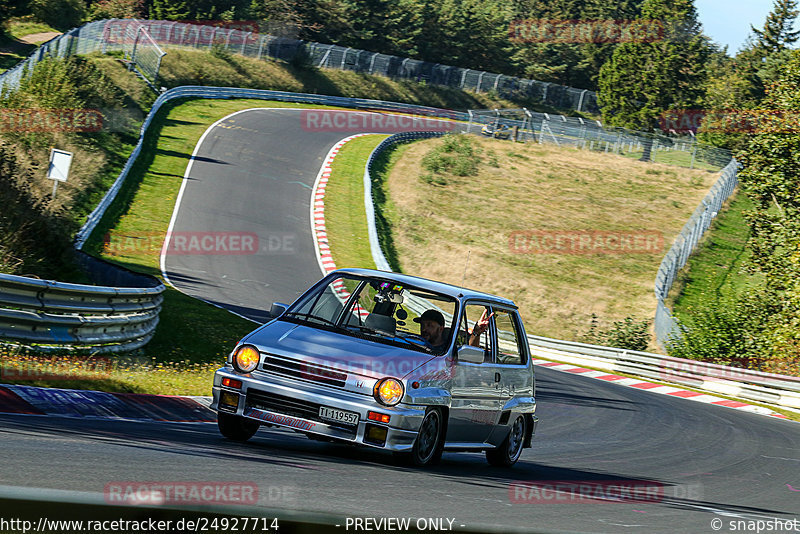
(507, 215)
(435, 217)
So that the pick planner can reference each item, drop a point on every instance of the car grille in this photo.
(302, 370)
(283, 405)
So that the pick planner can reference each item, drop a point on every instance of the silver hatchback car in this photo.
(388, 361)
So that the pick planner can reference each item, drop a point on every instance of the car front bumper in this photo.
(278, 401)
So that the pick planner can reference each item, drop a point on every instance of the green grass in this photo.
(714, 270)
(115, 373)
(12, 50)
(678, 158)
(21, 27)
(191, 67)
(345, 218)
(189, 330)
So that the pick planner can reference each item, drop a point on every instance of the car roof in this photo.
(430, 285)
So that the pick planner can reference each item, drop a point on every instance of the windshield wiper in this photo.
(415, 343)
(310, 318)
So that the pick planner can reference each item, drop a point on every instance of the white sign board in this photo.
(60, 161)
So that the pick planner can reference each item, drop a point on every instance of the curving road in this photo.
(252, 175)
(711, 462)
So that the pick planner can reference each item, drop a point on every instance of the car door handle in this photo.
(497, 377)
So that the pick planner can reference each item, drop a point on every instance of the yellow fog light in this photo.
(246, 359)
(388, 391)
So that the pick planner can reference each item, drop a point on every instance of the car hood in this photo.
(338, 351)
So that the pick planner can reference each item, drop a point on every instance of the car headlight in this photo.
(388, 391)
(245, 359)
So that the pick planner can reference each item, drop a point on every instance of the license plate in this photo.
(339, 416)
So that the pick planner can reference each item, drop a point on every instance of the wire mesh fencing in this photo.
(124, 34)
(666, 327)
(577, 132)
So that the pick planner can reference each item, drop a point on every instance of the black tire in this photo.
(236, 427)
(428, 446)
(510, 450)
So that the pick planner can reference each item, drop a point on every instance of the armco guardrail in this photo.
(231, 92)
(769, 388)
(132, 38)
(748, 384)
(108, 319)
(377, 253)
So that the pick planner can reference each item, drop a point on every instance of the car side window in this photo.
(472, 314)
(509, 348)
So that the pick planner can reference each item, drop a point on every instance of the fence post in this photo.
(580, 100)
(261, 46)
(372, 63)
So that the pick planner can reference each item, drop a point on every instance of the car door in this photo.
(512, 365)
(475, 387)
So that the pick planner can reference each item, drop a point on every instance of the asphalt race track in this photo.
(252, 175)
(710, 462)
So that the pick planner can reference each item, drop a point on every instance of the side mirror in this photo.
(277, 309)
(470, 354)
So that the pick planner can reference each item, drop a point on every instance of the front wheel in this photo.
(236, 427)
(428, 447)
(510, 450)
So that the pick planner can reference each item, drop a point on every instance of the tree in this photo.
(61, 14)
(763, 322)
(643, 79)
(777, 33)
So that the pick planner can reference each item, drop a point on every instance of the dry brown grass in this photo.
(541, 188)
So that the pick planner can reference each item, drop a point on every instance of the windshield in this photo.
(380, 310)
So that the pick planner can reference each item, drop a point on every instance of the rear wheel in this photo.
(236, 427)
(510, 450)
(428, 446)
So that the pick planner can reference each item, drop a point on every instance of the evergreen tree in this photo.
(777, 33)
(641, 80)
(169, 10)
